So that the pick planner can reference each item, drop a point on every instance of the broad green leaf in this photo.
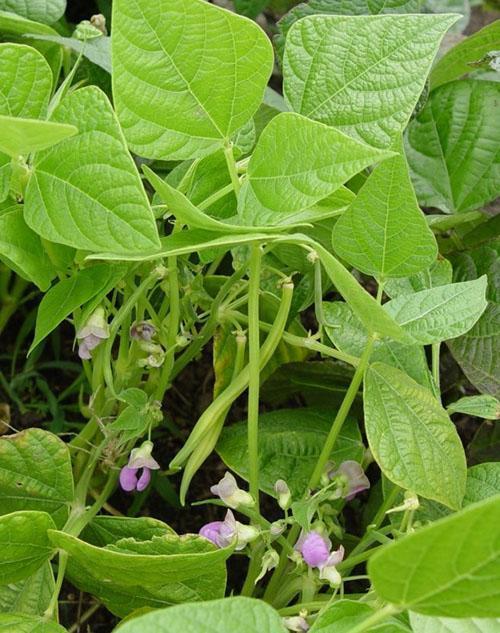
(290, 442)
(23, 136)
(25, 81)
(439, 274)
(383, 233)
(17, 25)
(486, 407)
(35, 474)
(175, 104)
(478, 351)
(20, 623)
(45, 11)
(427, 624)
(231, 615)
(457, 61)
(130, 574)
(483, 481)
(448, 569)
(30, 596)
(344, 615)
(24, 544)
(452, 147)
(298, 162)
(348, 335)
(440, 313)
(370, 95)
(411, 436)
(87, 192)
(23, 249)
(71, 293)
(107, 530)
(341, 7)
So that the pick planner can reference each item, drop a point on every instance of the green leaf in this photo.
(483, 481)
(440, 313)
(411, 436)
(130, 574)
(348, 335)
(25, 545)
(87, 193)
(71, 293)
(486, 407)
(35, 474)
(23, 249)
(45, 11)
(107, 530)
(26, 81)
(298, 162)
(290, 442)
(370, 95)
(96, 50)
(439, 274)
(17, 25)
(344, 615)
(448, 569)
(174, 104)
(427, 624)
(20, 623)
(30, 596)
(383, 233)
(231, 615)
(457, 61)
(452, 146)
(23, 136)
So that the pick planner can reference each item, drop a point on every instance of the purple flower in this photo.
(353, 478)
(142, 331)
(140, 460)
(92, 333)
(223, 533)
(227, 489)
(315, 549)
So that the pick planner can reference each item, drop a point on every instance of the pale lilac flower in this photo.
(94, 331)
(314, 547)
(227, 490)
(353, 479)
(296, 623)
(283, 494)
(136, 475)
(142, 331)
(224, 533)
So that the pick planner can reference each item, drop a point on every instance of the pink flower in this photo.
(92, 333)
(140, 460)
(315, 549)
(353, 478)
(223, 533)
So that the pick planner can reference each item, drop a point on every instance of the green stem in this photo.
(253, 570)
(11, 302)
(51, 610)
(215, 196)
(231, 166)
(254, 371)
(341, 415)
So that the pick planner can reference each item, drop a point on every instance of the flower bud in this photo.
(94, 331)
(269, 561)
(296, 623)
(227, 490)
(283, 493)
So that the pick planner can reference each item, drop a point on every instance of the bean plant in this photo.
(331, 247)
